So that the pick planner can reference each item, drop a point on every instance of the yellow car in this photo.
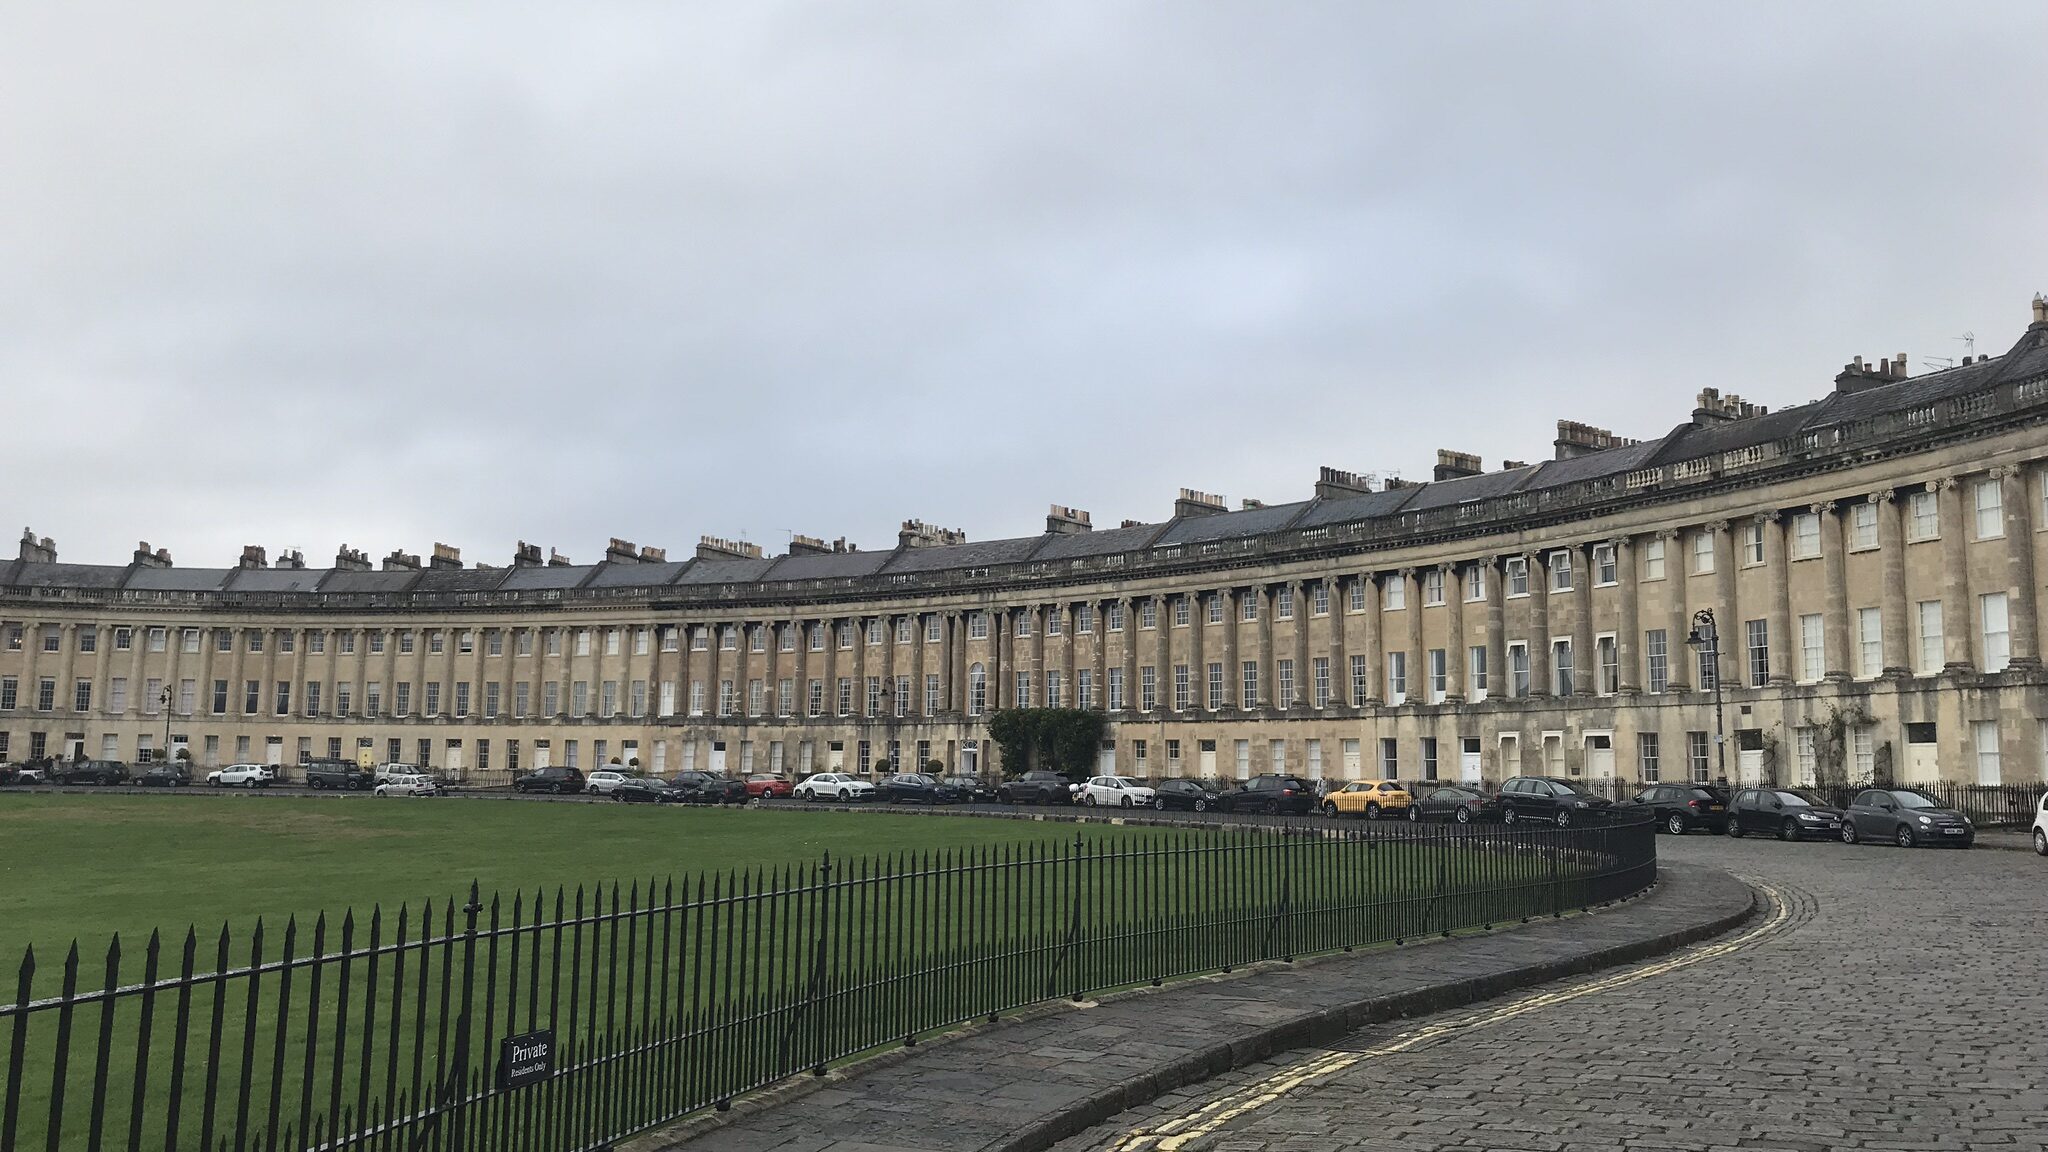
(1369, 798)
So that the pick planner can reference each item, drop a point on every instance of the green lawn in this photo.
(85, 867)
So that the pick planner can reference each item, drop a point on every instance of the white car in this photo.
(834, 786)
(413, 785)
(602, 781)
(2041, 827)
(389, 771)
(27, 774)
(1116, 792)
(242, 776)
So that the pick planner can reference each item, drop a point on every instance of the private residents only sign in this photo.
(526, 1059)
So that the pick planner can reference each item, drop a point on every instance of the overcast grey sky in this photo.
(388, 274)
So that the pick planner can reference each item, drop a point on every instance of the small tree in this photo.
(1062, 739)
(185, 755)
(634, 763)
(935, 767)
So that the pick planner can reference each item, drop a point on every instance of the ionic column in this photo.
(1232, 674)
(1898, 626)
(390, 679)
(266, 696)
(1628, 631)
(1958, 623)
(1731, 629)
(1777, 532)
(1129, 608)
(1374, 626)
(830, 678)
(1198, 668)
(1496, 629)
(1304, 674)
(1162, 652)
(1679, 661)
(1340, 660)
(67, 663)
(1002, 654)
(1101, 609)
(102, 666)
(1585, 670)
(1070, 658)
(2019, 566)
(800, 686)
(1454, 641)
(1267, 600)
(1835, 569)
(135, 681)
(237, 697)
(1539, 622)
(1418, 648)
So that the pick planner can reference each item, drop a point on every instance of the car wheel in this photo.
(1849, 832)
(2040, 842)
(845, 794)
(1201, 805)
(1675, 824)
(1126, 802)
(1564, 817)
(1789, 830)
(1904, 837)
(1159, 803)
(1088, 801)
(1414, 814)
(1507, 815)
(1732, 828)
(1372, 811)
(1464, 815)
(1330, 809)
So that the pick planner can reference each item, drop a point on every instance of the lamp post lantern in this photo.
(165, 700)
(1706, 638)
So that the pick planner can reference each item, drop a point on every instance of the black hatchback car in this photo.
(1680, 808)
(1273, 795)
(1905, 818)
(708, 788)
(101, 772)
(1787, 813)
(1034, 787)
(554, 781)
(165, 776)
(1183, 795)
(1549, 799)
(1457, 804)
(645, 790)
(916, 788)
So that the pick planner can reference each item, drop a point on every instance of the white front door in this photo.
(1105, 761)
(1749, 766)
(1468, 761)
(454, 755)
(718, 757)
(1208, 761)
(1600, 757)
(543, 758)
(273, 753)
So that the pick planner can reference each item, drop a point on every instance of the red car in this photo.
(770, 784)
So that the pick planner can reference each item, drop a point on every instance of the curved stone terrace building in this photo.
(1869, 558)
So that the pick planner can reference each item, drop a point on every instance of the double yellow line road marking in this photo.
(1176, 1134)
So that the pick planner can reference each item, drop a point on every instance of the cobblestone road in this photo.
(1900, 1001)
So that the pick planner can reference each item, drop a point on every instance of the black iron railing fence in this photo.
(565, 1021)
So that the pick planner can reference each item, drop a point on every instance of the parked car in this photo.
(1785, 812)
(916, 788)
(709, 788)
(1549, 799)
(2041, 827)
(97, 772)
(833, 786)
(387, 771)
(1454, 802)
(773, 785)
(553, 781)
(972, 789)
(1036, 787)
(1368, 798)
(1189, 795)
(1270, 794)
(1680, 808)
(338, 776)
(1905, 818)
(645, 790)
(242, 776)
(32, 772)
(602, 781)
(1116, 792)
(416, 784)
(165, 776)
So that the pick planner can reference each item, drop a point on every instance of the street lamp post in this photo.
(1707, 639)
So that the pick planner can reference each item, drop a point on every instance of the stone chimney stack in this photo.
(292, 558)
(1452, 465)
(254, 556)
(1575, 439)
(526, 555)
(445, 557)
(649, 554)
(400, 561)
(1715, 408)
(1193, 503)
(801, 545)
(1857, 376)
(144, 558)
(1248, 504)
(622, 551)
(1065, 521)
(36, 550)
(719, 548)
(557, 560)
(347, 559)
(918, 534)
(2040, 311)
(1395, 484)
(1336, 484)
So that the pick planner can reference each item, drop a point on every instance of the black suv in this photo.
(339, 775)
(1549, 799)
(916, 788)
(553, 781)
(101, 772)
(1272, 795)
(1680, 808)
(1785, 812)
(709, 788)
(1034, 788)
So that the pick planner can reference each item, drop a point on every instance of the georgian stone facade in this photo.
(1870, 560)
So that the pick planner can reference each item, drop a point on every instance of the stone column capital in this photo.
(1882, 496)
(1670, 535)
(1717, 527)
(2005, 471)
(1945, 484)
(1771, 517)
(1822, 508)
(1618, 543)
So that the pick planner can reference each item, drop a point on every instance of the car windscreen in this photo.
(1796, 799)
(1130, 781)
(1914, 800)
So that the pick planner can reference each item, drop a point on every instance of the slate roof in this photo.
(275, 579)
(387, 583)
(1469, 488)
(971, 555)
(445, 581)
(827, 565)
(550, 576)
(1101, 542)
(636, 575)
(726, 571)
(106, 576)
(1347, 509)
(1230, 525)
